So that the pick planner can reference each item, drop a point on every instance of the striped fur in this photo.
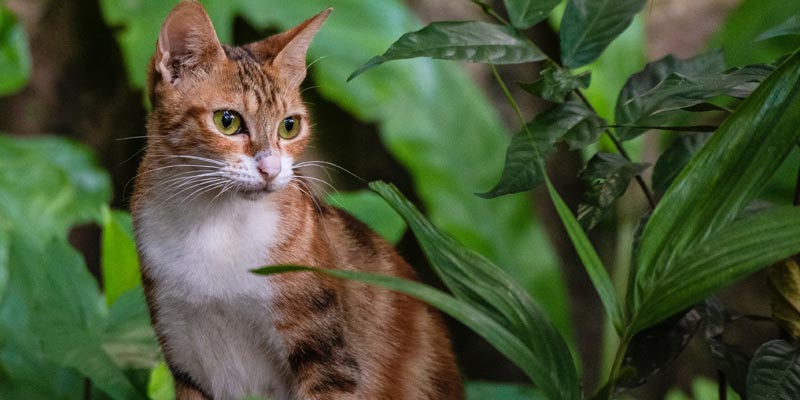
(205, 213)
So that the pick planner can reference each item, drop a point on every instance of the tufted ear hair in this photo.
(187, 43)
(286, 52)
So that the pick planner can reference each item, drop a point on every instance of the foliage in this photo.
(15, 61)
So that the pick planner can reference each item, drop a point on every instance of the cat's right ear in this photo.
(187, 43)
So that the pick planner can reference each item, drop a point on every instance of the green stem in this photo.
(510, 100)
(490, 12)
(617, 366)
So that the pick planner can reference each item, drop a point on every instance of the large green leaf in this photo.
(412, 104)
(606, 176)
(721, 179)
(591, 261)
(571, 122)
(128, 337)
(748, 20)
(672, 161)
(119, 261)
(473, 41)
(524, 14)
(478, 390)
(15, 60)
(370, 209)
(588, 26)
(775, 372)
(657, 95)
(474, 279)
(727, 255)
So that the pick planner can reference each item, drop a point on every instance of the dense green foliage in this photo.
(58, 330)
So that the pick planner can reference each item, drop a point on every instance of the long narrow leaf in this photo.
(496, 334)
(591, 261)
(473, 278)
(460, 40)
(730, 254)
(722, 178)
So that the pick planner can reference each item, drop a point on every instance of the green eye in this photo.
(289, 127)
(228, 122)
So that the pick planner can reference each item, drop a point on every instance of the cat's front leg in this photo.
(188, 392)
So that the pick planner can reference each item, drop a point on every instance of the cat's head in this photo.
(231, 115)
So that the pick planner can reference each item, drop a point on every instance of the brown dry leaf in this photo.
(784, 279)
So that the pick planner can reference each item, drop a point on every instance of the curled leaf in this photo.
(784, 282)
(555, 83)
(607, 177)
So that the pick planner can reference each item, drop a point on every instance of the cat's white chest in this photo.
(213, 312)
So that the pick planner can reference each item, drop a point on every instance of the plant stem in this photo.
(617, 366)
(509, 96)
(490, 11)
(621, 149)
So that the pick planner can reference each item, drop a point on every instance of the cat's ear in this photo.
(187, 42)
(286, 52)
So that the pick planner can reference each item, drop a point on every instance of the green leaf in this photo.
(588, 26)
(720, 180)
(370, 209)
(119, 260)
(726, 256)
(659, 94)
(128, 337)
(591, 261)
(775, 372)
(555, 83)
(474, 279)
(478, 390)
(672, 161)
(789, 27)
(784, 284)
(161, 386)
(731, 360)
(473, 41)
(15, 60)
(571, 122)
(524, 14)
(607, 176)
(472, 317)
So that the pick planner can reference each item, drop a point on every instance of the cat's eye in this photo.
(289, 127)
(228, 122)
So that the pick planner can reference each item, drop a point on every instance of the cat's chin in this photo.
(256, 193)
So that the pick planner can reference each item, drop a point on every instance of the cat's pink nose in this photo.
(268, 164)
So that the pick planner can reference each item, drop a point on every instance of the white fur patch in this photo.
(213, 312)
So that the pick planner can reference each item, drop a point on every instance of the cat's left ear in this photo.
(286, 52)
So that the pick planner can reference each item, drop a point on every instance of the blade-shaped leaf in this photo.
(775, 372)
(571, 122)
(662, 91)
(15, 60)
(591, 261)
(672, 161)
(524, 14)
(784, 282)
(589, 26)
(474, 318)
(119, 260)
(729, 254)
(722, 178)
(473, 41)
(789, 27)
(607, 176)
(474, 279)
(555, 83)
(651, 350)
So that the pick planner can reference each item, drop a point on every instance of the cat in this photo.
(217, 195)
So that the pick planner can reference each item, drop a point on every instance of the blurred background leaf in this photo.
(15, 61)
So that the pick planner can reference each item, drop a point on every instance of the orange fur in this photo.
(325, 338)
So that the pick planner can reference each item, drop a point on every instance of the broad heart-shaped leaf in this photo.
(589, 26)
(775, 372)
(662, 91)
(571, 122)
(473, 41)
(789, 27)
(475, 280)
(655, 348)
(672, 161)
(555, 83)
(119, 261)
(370, 209)
(726, 256)
(128, 337)
(461, 310)
(591, 261)
(524, 14)
(784, 282)
(15, 60)
(607, 176)
(719, 182)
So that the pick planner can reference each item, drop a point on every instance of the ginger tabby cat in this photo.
(217, 195)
